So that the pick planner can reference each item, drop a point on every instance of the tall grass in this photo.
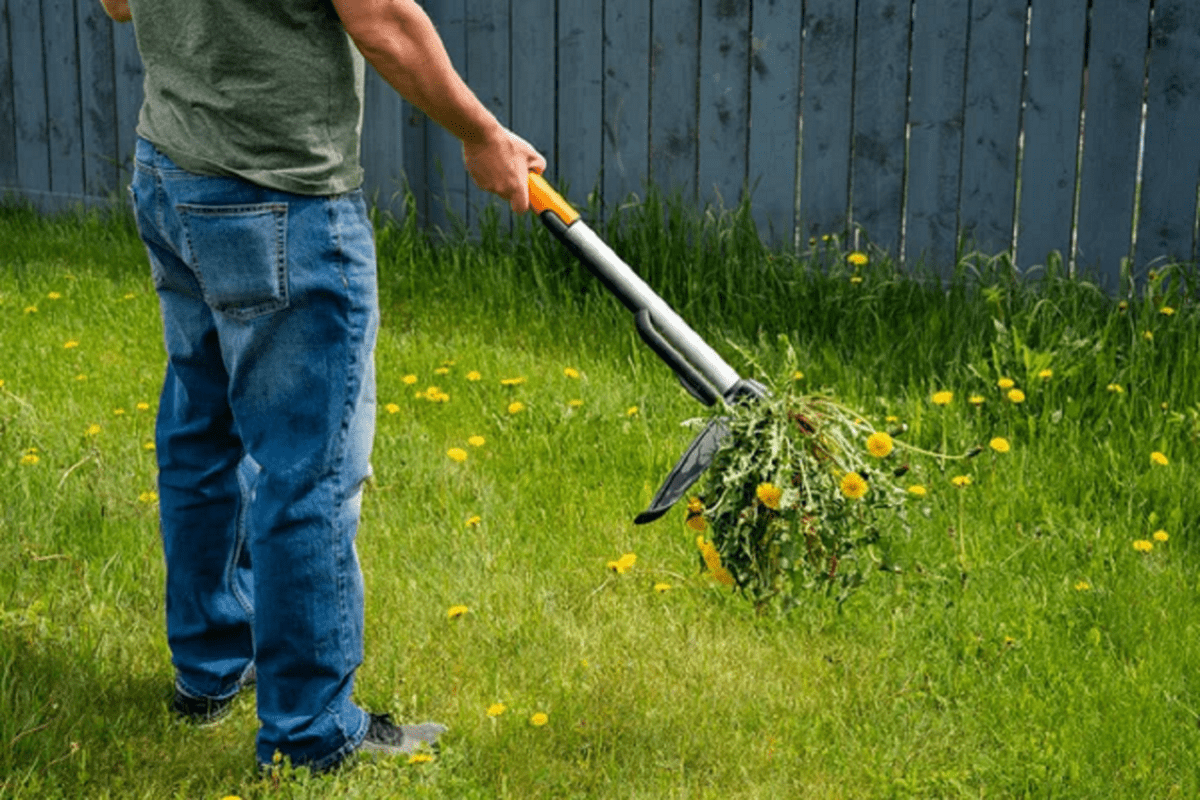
(1054, 660)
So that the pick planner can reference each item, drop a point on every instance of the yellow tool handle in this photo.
(543, 198)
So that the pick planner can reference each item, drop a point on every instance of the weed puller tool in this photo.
(705, 375)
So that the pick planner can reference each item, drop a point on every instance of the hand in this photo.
(500, 163)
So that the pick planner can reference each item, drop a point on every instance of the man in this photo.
(246, 191)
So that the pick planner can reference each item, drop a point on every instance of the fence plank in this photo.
(626, 99)
(382, 143)
(880, 108)
(1052, 101)
(129, 92)
(97, 79)
(992, 124)
(674, 96)
(8, 109)
(939, 42)
(825, 114)
(1166, 227)
(29, 96)
(445, 178)
(487, 72)
(533, 77)
(724, 108)
(580, 95)
(1116, 68)
(63, 101)
(775, 112)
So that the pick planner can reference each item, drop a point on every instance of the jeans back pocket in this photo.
(239, 255)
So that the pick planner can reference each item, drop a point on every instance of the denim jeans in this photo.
(270, 309)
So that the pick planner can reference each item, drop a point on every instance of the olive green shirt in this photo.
(270, 91)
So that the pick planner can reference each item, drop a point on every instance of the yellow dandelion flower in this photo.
(1016, 396)
(695, 505)
(143, 406)
(961, 481)
(473, 521)
(476, 441)
(129, 296)
(117, 412)
(853, 485)
(632, 411)
(30, 309)
(512, 381)
(148, 497)
(623, 564)
(918, 490)
(975, 399)
(797, 375)
(1166, 311)
(571, 372)
(879, 444)
(474, 375)
(92, 430)
(662, 587)
(539, 719)
(942, 398)
(1116, 388)
(516, 407)
(454, 612)
(1006, 383)
(769, 495)
(496, 709)
(392, 408)
(420, 758)
(149, 446)
(53, 296)
(442, 371)
(457, 454)
(856, 279)
(1143, 545)
(857, 259)
(30, 459)
(70, 345)
(1082, 586)
(1158, 458)
(999, 444)
(1148, 336)
(409, 380)
(81, 377)
(576, 403)
(1161, 536)
(1046, 374)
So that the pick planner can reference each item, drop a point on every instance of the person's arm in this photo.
(400, 41)
(117, 9)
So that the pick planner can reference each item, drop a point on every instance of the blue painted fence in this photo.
(921, 126)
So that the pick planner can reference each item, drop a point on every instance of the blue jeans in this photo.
(270, 309)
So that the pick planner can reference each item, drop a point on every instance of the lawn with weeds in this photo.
(1029, 627)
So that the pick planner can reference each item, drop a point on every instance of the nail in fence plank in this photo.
(626, 99)
(580, 96)
(880, 108)
(445, 177)
(674, 96)
(1052, 102)
(992, 125)
(825, 111)
(774, 114)
(1116, 68)
(97, 73)
(1166, 227)
(724, 107)
(936, 133)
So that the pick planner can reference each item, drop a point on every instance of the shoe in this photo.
(205, 711)
(386, 738)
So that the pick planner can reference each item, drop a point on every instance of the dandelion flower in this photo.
(539, 719)
(857, 259)
(695, 515)
(30, 459)
(409, 380)
(1116, 388)
(512, 381)
(879, 444)
(999, 444)
(623, 564)
(1161, 536)
(1148, 336)
(856, 279)
(1005, 383)
(917, 490)
(961, 481)
(71, 345)
(392, 408)
(93, 429)
(576, 403)
(975, 399)
(662, 587)
(148, 497)
(149, 446)
(30, 309)
(769, 495)
(1166, 311)
(797, 375)
(457, 454)
(473, 521)
(454, 612)
(1143, 545)
(476, 441)
(1082, 586)
(442, 371)
(516, 407)
(853, 485)
(1158, 458)
(1016, 395)
(53, 296)
(571, 372)
(81, 377)
(632, 411)
(942, 398)
(143, 406)
(474, 375)
(420, 758)
(496, 709)
(1046, 374)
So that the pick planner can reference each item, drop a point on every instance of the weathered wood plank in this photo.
(97, 73)
(446, 179)
(29, 97)
(487, 72)
(936, 133)
(774, 114)
(1052, 102)
(992, 125)
(580, 97)
(8, 109)
(65, 115)
(533, 49)
(826, 111)
(129, 94)
(1116, 69)
(880, 111)
(674, 96)
(626, 99)
(382, 144)
(1166, 227)
(724, 101)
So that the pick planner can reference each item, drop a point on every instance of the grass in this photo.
(1018, 645)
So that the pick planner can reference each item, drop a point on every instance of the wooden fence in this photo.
(1023, 126)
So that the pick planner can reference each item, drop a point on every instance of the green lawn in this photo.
(1018, 643)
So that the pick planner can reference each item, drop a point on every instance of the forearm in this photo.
(400, 41)
(117, 9)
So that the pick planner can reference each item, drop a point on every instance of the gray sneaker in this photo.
(386, 738)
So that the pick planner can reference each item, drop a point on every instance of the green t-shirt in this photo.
(270, 91)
